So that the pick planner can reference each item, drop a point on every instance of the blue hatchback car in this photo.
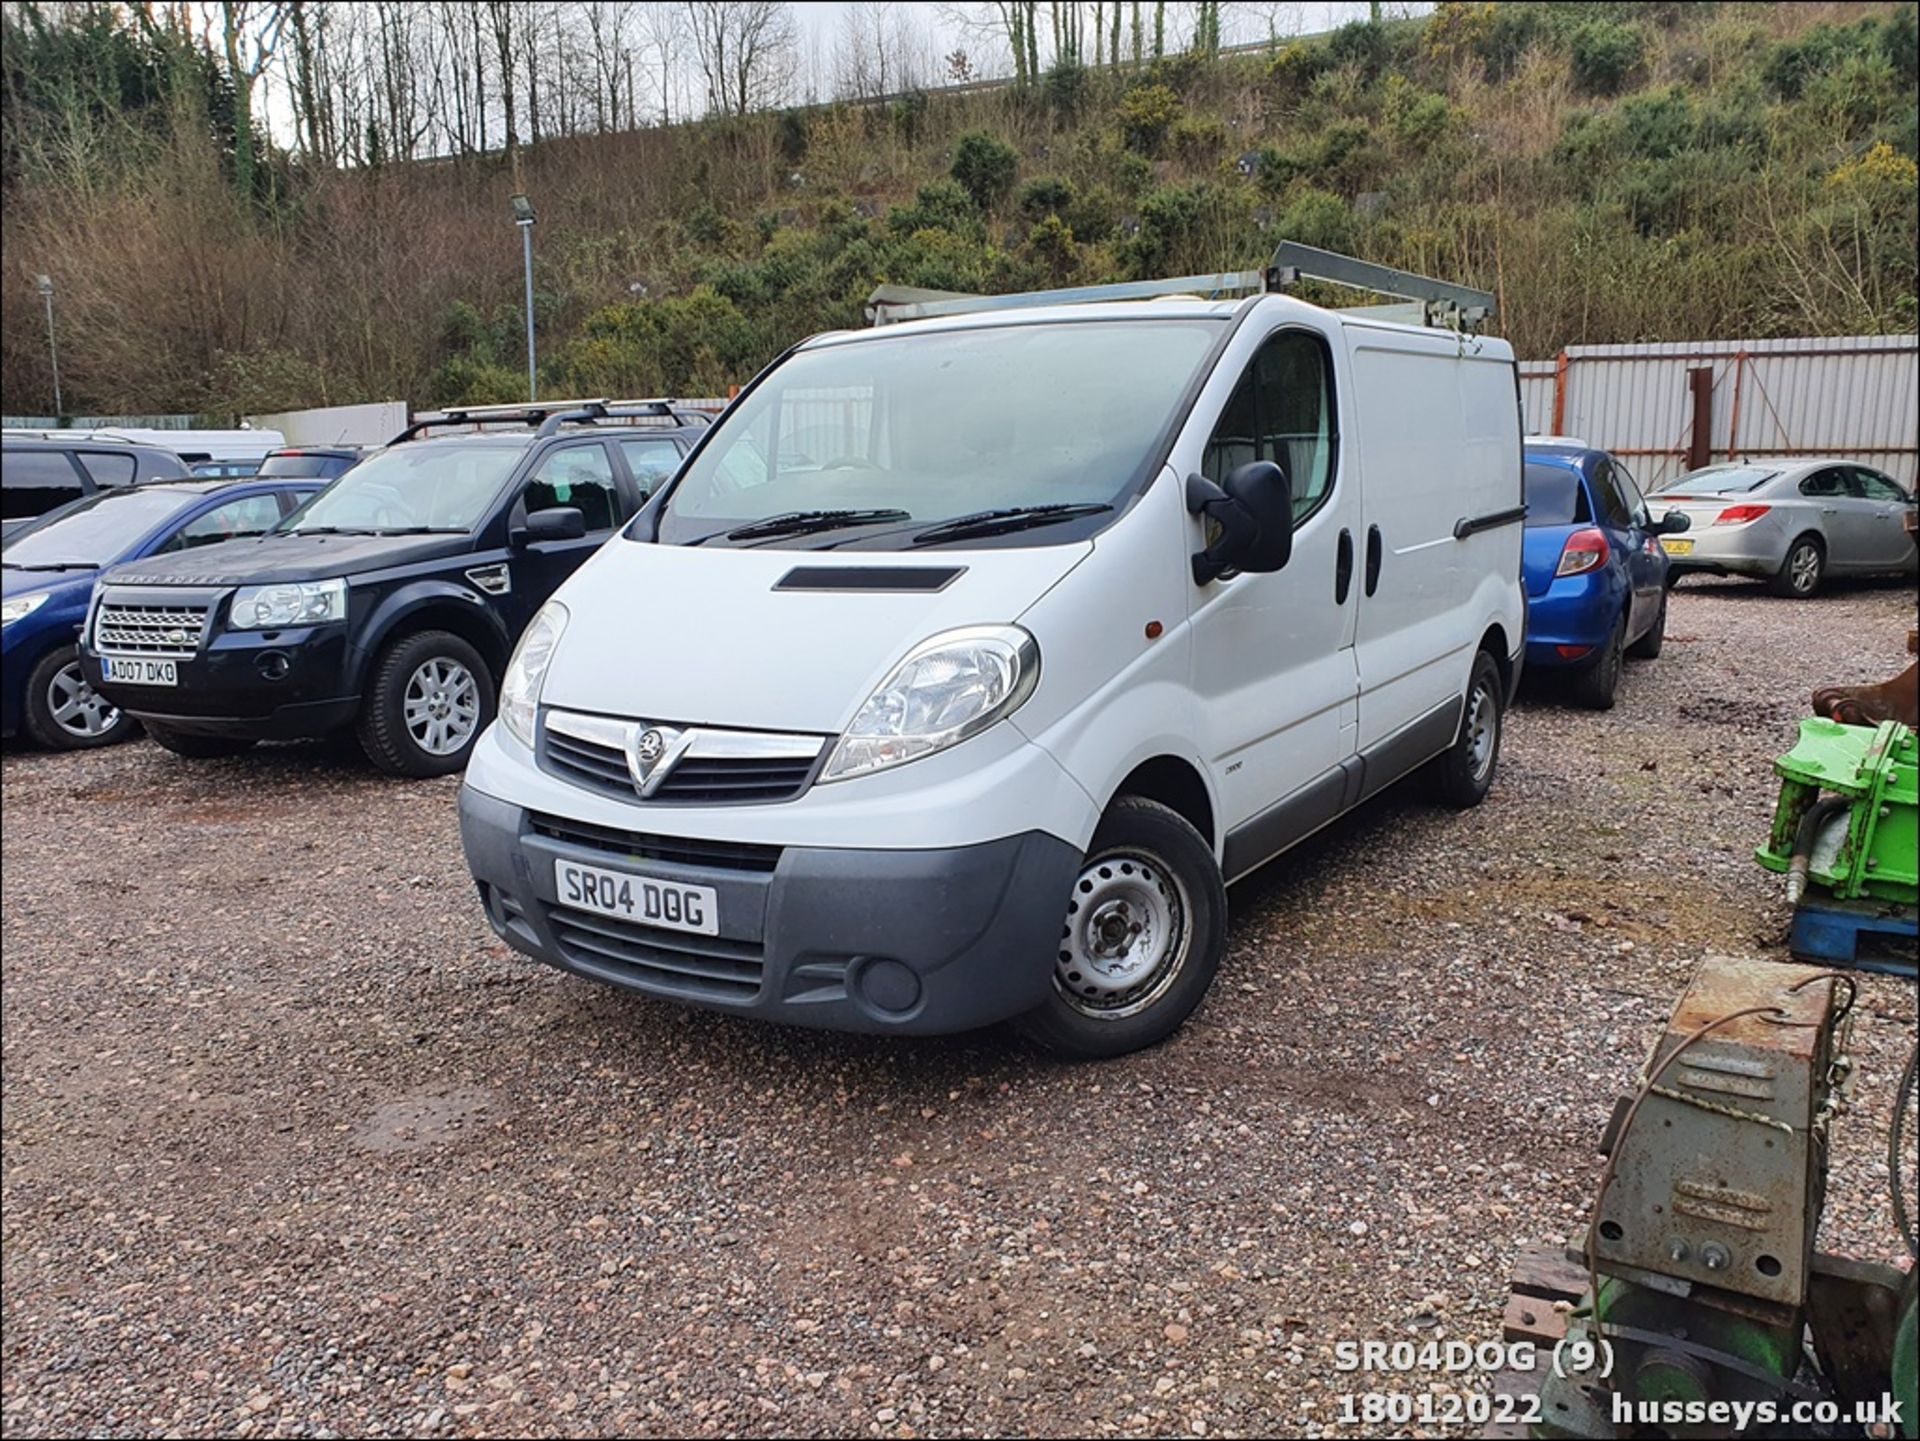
(1596, 575)
(47, 571)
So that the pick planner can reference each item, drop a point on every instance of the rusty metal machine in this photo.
(1698, 1279)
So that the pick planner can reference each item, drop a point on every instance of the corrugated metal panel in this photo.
(1857, 397)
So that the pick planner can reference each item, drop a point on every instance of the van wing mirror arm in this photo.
(1238, 529)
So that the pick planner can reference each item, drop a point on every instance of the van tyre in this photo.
(429, 698)
(1144, 929)
(1649, 645)
(64, 713)
(1463, 774)
(1596, 684)
(1802, 571)
(196, 747)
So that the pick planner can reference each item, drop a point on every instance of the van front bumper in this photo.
(916, 942)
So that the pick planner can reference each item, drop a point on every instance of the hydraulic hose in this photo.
(1804, 836)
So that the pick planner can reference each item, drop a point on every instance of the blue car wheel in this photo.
(64, 713)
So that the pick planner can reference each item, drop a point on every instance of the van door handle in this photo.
(1373, 558)
(1343, 568)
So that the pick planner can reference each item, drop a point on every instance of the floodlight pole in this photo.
(523, 217)
(53, 353)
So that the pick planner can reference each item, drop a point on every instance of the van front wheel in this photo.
(1143, 932)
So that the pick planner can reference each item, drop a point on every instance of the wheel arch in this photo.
(1176, 783)
(435, 606)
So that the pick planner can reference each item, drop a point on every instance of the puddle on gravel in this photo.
(415, 1122)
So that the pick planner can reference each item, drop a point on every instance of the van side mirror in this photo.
(1675, 521)
(1254, 511)
(557, 522)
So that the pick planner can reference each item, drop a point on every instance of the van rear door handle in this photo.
(1373, 558)
(1343, 568)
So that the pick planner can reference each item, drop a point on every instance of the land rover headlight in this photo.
(276, 607)
(20, 607)
(527, 671)
(950, 687)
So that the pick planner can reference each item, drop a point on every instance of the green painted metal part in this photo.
(1906, 1363)
(1877, 768)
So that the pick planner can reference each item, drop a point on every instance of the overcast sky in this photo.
(934, 29)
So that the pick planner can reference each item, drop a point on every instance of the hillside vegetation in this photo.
(1612, 171)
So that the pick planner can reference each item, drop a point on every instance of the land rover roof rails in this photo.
(1434, 302)
(548, 416)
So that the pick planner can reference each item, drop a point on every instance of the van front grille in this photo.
(672, 850)
(672, 962)
(767, 769)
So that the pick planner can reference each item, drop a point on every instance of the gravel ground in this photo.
(293, 1147)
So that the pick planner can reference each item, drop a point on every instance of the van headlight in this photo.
(276, 607)
(948, 688)
(527, 671)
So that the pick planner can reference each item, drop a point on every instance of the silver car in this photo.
(1791, 523)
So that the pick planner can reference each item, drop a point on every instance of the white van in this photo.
(968, 660)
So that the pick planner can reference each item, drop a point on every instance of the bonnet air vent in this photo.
(912, 578)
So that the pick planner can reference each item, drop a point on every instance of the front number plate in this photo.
(139, 672)
(667, 904)
(1676, 547)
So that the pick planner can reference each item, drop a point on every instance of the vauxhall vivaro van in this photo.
(966, 661)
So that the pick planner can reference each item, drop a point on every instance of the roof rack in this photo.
(548, 416)
(1435, 302)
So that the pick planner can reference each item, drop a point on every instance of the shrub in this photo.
(1424, 121)
(985, 168)
(1292, 71)
(1361, 44)
(1065, 86)
(1092, 215)
(1145, 114)
(1046, 196)
(1317, 217)
(1198, 141)
(1053, 246)
(1604, 55)
(940, 205)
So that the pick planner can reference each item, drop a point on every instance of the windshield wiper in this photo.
(329, 530)
(1000, 522)
(805, 522)
(54, 565)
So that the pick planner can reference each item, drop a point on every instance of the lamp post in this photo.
(523, 217)
(45, 283)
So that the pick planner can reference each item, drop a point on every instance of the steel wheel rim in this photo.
(1126, 936)
(441, 706)
(1806, 567)
(1483, 731)
(77, 708)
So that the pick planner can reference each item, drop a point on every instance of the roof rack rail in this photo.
(1435, 302)
(547, 416)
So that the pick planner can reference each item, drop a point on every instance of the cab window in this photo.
(580, 476)
(1282, 411)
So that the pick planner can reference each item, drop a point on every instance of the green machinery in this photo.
(1846, 834)
(1698, 1277)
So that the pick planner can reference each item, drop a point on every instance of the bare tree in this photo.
(746, 51)
(881, 50)
(610, 41)
(249, 33)
(664, 27)
(503, 17)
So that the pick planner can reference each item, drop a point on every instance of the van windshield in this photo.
(431, 486)
(875, 442)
